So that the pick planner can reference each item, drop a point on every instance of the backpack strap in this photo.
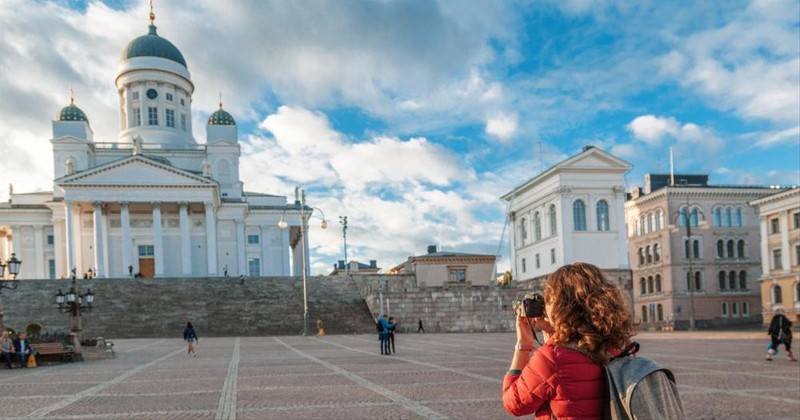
(631, 350)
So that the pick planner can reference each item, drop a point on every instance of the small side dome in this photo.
(71, 112)
(221, 117)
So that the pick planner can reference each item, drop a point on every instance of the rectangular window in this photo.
(51, 268)
(169, 97)
(538, 262)
(777, 259)
(796, 221)
(183, 122)
(524, 265)
(51, 240)
(254, 267)
(458, 274)
(147, 250)
(252, 239)
(552, 256)
(137, 117)
(774, 226)
(171, 118)
(135, 96)
(183, 102)
(152, 115)
(797, 254)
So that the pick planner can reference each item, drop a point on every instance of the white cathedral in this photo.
(154, 203)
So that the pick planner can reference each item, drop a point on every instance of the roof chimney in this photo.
(373, 263)
(431, 249)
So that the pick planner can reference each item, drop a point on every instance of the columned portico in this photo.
(158, 240)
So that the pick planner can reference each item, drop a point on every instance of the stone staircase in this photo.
(126, 308)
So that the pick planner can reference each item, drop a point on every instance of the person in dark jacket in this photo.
(190, 336)
(564, 377)
(392, 329)
(23, 348)
(780, 332)
(383, 334)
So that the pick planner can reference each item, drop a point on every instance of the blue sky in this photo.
(413, 117)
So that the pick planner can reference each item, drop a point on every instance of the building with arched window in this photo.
(779, 216)
(153, 201)
(709, 249)
(583, 200)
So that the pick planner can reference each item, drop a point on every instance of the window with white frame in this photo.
(745, 309)
(135, 96)
(728, 222)
(717, 217)
(171, 118)
(152, 115)
(136, 117)
(777, 259)
(169, 97)
(146, 250)
(777, 297)
(735, 309)
(658, 283)
(538, 262)
(537, 226)
(523, 230)
(724, 309)
(602, 215)
(660, 219)
(524, 265)
(740, 248)
(552, 255)
(252, 239)
(743, 280)
(458, 274)
(738, 219)
(694, 218)
(579, 215)
(774, 226)
(720, 248)
(253, 267)
(796, 220)
(183, 122)
(552, 215)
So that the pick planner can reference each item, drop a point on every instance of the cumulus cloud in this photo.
(503, 126)
(651, 129)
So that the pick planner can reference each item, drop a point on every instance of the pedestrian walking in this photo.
(190, 336)
(780, 332)
(420, 329)
(392, 329)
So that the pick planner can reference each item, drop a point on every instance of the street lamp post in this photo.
(343, 221)
(300, 206)
(13, 269)
(74, 303)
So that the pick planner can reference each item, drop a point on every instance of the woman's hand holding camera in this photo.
(524, 329)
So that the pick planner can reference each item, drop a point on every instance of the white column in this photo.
(38, 252)
(71, 233)
(4, 248)
(211, 238)
(105, 242)
(240, 250)
(265, 242)
(766, 259)
(285, 252)
(158, 240)
(186, 240)
(99, 258)
(786, 251)
(125, 227)
(58, 248)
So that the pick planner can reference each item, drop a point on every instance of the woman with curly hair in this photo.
(585, 323)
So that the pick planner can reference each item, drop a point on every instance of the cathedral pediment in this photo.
(594, 159)
(136, 170)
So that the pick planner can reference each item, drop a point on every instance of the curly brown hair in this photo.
(587, 310)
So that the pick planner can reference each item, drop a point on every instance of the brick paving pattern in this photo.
(433, 376)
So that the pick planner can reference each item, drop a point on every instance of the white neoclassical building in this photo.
(573, 211)
(153, 202)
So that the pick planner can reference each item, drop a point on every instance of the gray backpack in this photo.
(639, 388)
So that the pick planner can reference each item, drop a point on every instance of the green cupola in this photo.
(71, 112)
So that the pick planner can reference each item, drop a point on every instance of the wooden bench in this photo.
(65, 353)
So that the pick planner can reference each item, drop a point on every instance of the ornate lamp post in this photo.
(300, 207)
(13, 269)
(74, 303)
(343, 221)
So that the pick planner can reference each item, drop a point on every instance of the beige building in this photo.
(780, 253)
(445, 268)
(694, 250)
(355, 268)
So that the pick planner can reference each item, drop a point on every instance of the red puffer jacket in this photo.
(559, 381)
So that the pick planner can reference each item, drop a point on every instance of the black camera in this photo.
(533, 305)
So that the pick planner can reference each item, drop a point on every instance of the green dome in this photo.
(152, 45)
(72, 113)
(221, 117)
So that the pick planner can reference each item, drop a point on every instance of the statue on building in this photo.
(69, 166)
(206, 168)
(137, 145)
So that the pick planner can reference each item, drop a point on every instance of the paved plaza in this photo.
(720, 375)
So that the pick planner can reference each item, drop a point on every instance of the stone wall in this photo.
(216, 306)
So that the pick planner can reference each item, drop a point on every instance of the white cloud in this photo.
(790, 136)
(502, 125)
(651, 129)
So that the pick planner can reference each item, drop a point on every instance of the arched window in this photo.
(720, 248)
(724, 309)
(696, 248)
(745, 309)
(722, 282)
(732, 280)
(653, 223)
(523, 229)
(682, 217)
(645, 225)
(660, 219)
(695, 218)
(579, 215)
(743, 280)
(728, 217)
(658, 283)
(717, 217)
(740, 248)
(638, 227)
(698, 280)
(553, 226)
(642, 286)
(602, 215)
(644, 313)
(689, 281)
(686, 248)
(738, 217)
(656, 253)
(730, 248)
(641, 256)
(776, 294)
(648, 255)
(650, 285)
(735, 309)
(660, 312)
(537, 226)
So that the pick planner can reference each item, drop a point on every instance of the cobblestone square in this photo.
(720, 375)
